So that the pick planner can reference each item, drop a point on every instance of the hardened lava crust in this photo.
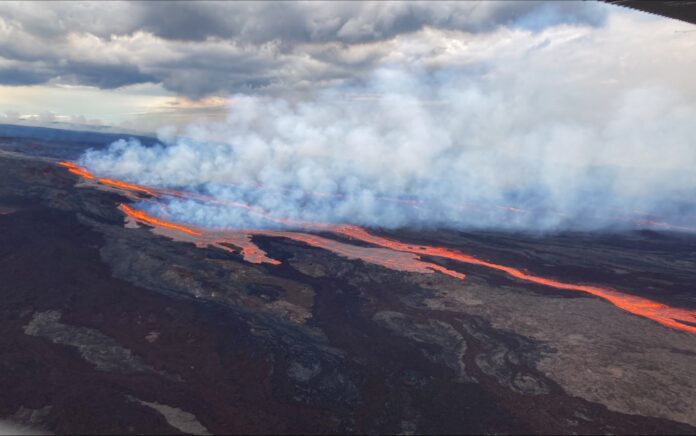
(110, 326)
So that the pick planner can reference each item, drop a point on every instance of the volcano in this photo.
(119, 320)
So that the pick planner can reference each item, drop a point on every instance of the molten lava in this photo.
(145, 218)
(391, 259)
(675, 318)
(78, 171)
(222, 238)
(82, 172)
(392, 254)
(129, 188)
(126, 186)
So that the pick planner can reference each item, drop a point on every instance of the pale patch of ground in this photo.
(181, 420)
(602, 354)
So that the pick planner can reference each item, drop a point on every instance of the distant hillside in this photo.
(58, 143)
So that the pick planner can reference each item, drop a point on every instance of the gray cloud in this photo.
(349, 22)
(557, 125)
(201, 48)
(105, 76)
(260, 22)
(22, 76)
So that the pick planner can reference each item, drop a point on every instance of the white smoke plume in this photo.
(562, 129)
(12, 429)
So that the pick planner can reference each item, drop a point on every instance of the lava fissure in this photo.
(143, 217)
(680, 319)
(390, 254)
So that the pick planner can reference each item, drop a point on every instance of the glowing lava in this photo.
(203, 238)
(391, 259)
(392, 254)
(143, 217)
(675, 318)
(129, 188)
(387, 258)
(126, 186)
(82, 172)
(78, 171)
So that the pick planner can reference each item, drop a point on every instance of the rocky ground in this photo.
(109, 329)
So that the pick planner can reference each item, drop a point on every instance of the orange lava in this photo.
(159, 192)
(679, 319)
(203, 238)
(250, 252)
(126, 186)
(143, 217)
(395, 260)
(66, 164)
(254, 254)
(83, 172)
(74, 169)
(391, 259)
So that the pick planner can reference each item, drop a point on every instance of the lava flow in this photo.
(130, 189)
(387, 258)
(142, 216)
(391, 259)
(675, 318)
(82, 172)
(393, 254)
(201, 238)
(78, 171)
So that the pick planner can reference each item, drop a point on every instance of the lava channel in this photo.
(679, 319)
(395, 260)
(119, 185)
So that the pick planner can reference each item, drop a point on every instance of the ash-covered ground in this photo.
(111, 329)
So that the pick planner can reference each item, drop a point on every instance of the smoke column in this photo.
(534, 141)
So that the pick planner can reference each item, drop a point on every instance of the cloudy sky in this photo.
(143, 65)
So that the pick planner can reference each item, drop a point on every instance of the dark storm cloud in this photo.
(17, 76)
(105, 76)
(198, 83)
(200, 48)
(348, 22)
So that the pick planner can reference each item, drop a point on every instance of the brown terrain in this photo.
(112, 325)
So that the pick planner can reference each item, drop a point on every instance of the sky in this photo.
(143, 65)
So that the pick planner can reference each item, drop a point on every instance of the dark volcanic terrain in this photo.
(108, 328)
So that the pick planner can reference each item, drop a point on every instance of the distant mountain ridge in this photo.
(50, 133)
(59, 143)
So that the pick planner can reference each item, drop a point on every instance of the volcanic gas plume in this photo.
(447, 151)
(382, 251)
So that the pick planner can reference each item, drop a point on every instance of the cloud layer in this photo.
(539, 130)
(198, 48)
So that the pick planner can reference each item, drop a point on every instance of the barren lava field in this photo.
(117, 322)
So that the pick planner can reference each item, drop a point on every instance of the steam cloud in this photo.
(10, 428)
(571, 144)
